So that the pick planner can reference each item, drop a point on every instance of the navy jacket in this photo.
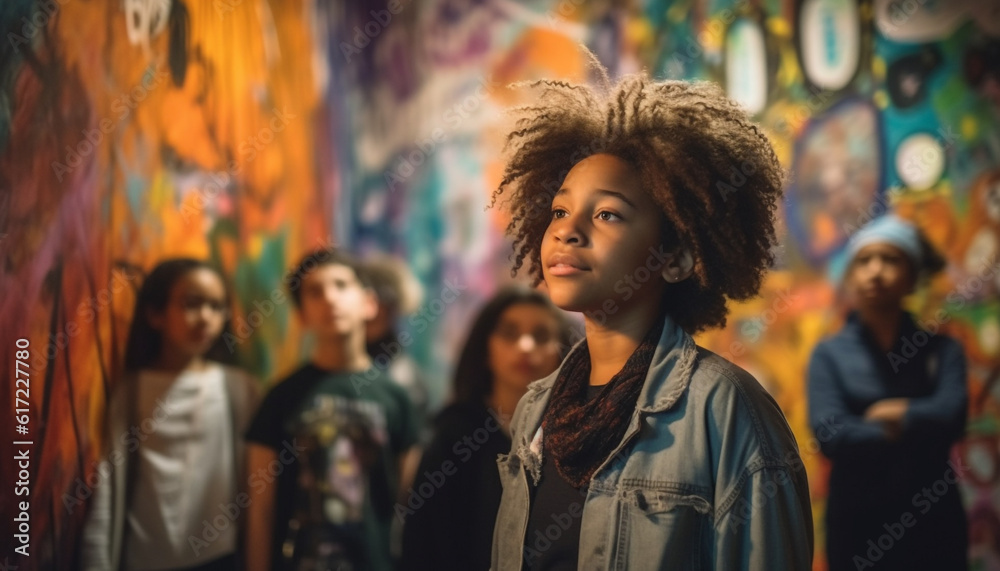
(906, 489)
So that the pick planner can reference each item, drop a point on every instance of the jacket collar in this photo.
(670, 370)
(666, 380)
(857, 328)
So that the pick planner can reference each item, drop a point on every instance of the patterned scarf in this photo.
(581, 434)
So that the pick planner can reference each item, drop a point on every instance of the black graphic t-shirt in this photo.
(338, 437)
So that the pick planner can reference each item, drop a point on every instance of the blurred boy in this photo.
(326, 446)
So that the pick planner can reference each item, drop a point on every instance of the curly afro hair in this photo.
(711, 170)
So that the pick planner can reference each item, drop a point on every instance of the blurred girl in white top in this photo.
(170, 495)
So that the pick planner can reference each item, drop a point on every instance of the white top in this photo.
(184, 479)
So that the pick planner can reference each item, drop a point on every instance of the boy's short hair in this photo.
(711, 170)
(317, 259)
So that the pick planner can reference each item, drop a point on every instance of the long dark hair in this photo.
(145, 342)
(473, 379)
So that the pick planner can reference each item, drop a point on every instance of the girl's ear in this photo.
(678, 266)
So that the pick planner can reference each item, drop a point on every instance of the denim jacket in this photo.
(707, 476)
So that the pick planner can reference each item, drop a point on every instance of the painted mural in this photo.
(247, 131)
(131, 132)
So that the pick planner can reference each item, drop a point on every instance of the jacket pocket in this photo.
(659, 529)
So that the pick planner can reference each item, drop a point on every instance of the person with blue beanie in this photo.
(887, 400)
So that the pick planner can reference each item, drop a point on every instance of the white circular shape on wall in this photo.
(830, 33)
(746, 65)
(923, 21)
(920, 161)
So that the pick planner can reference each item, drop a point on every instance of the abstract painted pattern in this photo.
(131, 132)
(247, 131)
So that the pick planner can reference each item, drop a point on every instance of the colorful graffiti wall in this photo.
(128, 133)
(247, 131)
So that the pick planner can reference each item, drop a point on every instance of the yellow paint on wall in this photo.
(878, 68)
(970, 128)
(881, 99)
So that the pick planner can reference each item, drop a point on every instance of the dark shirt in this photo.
(338, 437)
(552, 540)
(875, 482)
(451, 509)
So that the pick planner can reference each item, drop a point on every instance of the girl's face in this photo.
(524, 346)
(194, 315)
(880, 275)
(602, 248)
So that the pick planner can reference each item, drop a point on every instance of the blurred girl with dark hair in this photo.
(518, 337)
(887, 400)
(174, 432)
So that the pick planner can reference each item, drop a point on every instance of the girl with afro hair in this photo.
(646, 205)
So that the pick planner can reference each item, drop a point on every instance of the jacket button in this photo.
(640, 500)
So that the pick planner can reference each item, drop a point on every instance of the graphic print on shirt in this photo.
(343, 441)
